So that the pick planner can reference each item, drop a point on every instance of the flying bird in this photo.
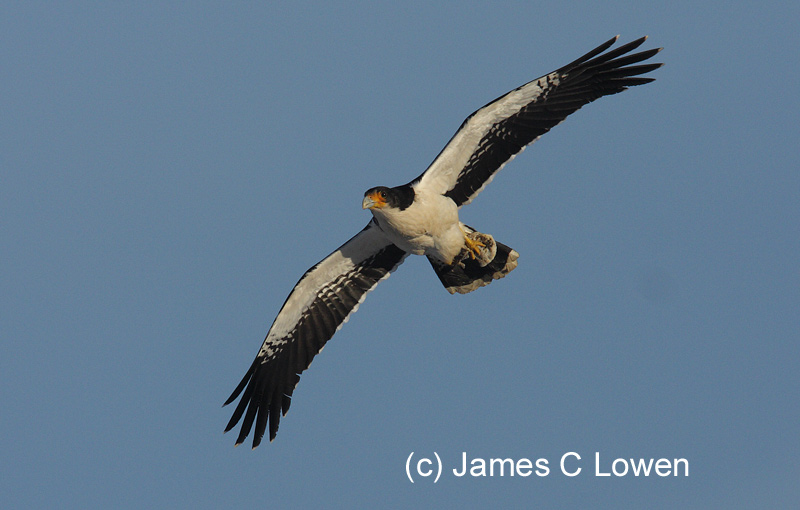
(421, 218)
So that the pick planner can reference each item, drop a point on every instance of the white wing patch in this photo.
(443, 173)
(322, 281)
(494, 134)
(318, 306)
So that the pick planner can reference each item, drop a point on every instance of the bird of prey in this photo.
(421, 218)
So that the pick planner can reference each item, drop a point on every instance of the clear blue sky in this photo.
(167, 173)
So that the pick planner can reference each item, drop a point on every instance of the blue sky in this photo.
(169, 172)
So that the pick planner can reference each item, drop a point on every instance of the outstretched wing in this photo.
(494, 134)
(317, 307)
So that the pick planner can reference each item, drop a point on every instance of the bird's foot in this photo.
(473, 247)
(478, 247)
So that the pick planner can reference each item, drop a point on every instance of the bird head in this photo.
(376, 198)
(399, 197)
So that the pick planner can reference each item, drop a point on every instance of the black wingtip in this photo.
(600, 49)
(243, 382)
(603, 57)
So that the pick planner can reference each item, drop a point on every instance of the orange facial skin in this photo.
(374, 200)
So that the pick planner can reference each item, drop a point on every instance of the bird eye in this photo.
(383, 194)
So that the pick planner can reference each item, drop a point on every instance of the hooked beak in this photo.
(367, 203)
(373, 201)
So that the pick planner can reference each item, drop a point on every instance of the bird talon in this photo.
(473, 247)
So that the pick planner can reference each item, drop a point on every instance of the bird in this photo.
(422, 218)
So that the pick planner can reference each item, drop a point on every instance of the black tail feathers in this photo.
(467, 274)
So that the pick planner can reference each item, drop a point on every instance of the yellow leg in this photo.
(473, 246)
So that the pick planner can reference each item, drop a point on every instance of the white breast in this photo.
(429, 226)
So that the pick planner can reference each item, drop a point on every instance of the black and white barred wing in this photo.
(494, 134)
(318, 306)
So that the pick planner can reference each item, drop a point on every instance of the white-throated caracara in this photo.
(421, 218)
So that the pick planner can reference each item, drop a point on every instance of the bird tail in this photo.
(467, 273)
